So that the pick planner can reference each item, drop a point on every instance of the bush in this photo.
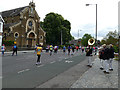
(115, 49)
(8, 43)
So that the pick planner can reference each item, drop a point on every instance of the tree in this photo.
(54, 24)
(111, 38)
(85, 39)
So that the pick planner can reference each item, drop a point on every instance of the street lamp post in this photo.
(78, 33)
(96, 22)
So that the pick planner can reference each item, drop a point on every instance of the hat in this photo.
(104, 45)
(111, 45)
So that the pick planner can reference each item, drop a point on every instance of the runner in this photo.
(14, 49)
(69, 49)
(64, 49)
(3, 49)
(51, 49)
(39, 50)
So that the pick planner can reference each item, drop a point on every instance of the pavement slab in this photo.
(95, 78)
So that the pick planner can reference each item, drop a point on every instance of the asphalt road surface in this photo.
(21, 72)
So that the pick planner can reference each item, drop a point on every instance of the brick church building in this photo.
(22, 25)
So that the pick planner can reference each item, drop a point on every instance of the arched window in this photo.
(41, 37)
(16, 34)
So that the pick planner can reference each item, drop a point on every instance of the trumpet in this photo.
(91, 41)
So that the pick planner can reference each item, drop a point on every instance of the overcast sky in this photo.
(81, 17)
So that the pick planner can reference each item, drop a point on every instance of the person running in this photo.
(73, 49)
(14, 49)
(51, 49)
(69, 49)
(64, 49)
(39, 50)
(3, 49)
(55, 49)
(82, 49)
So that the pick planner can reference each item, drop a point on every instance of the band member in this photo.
(89, 55)
(101, 52)
(111, 57)
(106, 58)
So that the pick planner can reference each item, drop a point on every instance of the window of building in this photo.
(16, 34)
(41, 37)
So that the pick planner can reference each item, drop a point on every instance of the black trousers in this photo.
(38, 59)
(14, 51)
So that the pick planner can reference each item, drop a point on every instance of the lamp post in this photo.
(96, 22)
(78, 33)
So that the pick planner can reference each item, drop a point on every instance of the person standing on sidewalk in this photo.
(101, 52)
(89, 55)
(111, 57)
(3, 49)
(39, 50)
(14, 49)
(106, 57)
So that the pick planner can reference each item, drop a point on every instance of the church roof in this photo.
(10, 24)
(1, 19)
(13, 12)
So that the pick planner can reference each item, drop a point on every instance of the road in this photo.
(21, 72)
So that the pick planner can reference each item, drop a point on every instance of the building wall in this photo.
(21, 28)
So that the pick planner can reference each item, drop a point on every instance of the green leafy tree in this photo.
(111, 38)
(54, 24)
(85, 39)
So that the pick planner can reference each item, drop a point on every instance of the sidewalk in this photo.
(95, 78)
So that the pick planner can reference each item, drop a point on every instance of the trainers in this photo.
(89, 65)
(111, 69)
(36, 63)
(106, 72)
(101, 68)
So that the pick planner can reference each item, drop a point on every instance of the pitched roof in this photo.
(1, 19)
(10, 24)
(12, 12)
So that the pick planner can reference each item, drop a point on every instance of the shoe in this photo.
(89, 65)
(106, 72)
(36, 63)
(111, 69)
(101, 68)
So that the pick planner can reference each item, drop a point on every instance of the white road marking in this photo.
(53, 62)
(41, 65)
(23, 71)
(68, 61)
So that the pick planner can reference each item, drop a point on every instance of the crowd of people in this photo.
(106, 53)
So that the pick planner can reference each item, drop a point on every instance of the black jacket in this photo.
(106, 55)
(111, 50)
(89, 52)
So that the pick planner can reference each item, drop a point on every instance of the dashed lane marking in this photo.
(53, 62)
(40, 65)
(23, 71)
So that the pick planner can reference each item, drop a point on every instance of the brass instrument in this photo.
(91, 41)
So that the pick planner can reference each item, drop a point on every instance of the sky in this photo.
(81, 17)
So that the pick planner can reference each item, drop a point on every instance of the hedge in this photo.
(8, 43)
